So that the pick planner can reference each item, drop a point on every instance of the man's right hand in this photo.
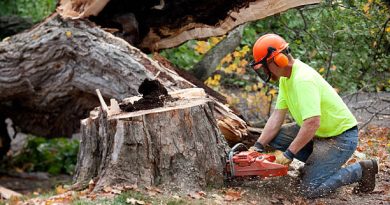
(258, 147)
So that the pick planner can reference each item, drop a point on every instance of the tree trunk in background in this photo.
(177, 146)
(204, 68)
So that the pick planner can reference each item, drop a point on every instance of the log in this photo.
(8, 193)
(177, 146)
(49, 74)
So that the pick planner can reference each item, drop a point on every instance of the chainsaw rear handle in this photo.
(239, 147)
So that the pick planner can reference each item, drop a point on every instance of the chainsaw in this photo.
(242, 162)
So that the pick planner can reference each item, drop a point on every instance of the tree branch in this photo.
(208, 64)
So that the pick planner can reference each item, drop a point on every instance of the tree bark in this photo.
(178, 146)
(49, 74)
(168, 23)
(204, 68)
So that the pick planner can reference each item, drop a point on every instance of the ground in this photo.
(374, 143)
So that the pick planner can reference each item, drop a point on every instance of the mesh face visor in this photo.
(261, 67)
(261, 70)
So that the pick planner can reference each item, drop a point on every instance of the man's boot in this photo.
(367, 182)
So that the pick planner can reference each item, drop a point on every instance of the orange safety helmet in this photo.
(270, 46)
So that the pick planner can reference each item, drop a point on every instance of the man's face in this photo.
(274, 70)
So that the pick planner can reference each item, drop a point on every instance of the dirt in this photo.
(283, 190)
(154, 94)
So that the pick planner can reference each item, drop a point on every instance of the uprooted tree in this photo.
(49, 75)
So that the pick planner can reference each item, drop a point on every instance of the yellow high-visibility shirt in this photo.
(306, 94)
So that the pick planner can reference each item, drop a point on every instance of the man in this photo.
(325, 134)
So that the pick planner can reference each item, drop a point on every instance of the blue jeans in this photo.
(323, 157)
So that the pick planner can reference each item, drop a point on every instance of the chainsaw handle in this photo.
(231, 153)
(239, 147)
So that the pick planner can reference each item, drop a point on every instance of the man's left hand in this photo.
(281, 159)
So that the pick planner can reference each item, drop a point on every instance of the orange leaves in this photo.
(215, 40)
(197, 195)
(366, 7)
(232, 195)
(235, 62)
(374, 143)
(213, 81)
(202, 47)
(227, 59)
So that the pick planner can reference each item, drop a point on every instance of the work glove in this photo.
(258, 147)
(284, 158)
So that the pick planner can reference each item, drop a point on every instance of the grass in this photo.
(34, 10)
(121, 199)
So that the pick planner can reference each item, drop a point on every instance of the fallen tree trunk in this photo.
(49, 74)
(155, 25)
(175, 146)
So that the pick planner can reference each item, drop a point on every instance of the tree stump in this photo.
(177, 146)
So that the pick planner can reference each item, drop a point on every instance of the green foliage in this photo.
(341, 40)
(183, 56)
(35, 10)
(348, 42)
(55, 156)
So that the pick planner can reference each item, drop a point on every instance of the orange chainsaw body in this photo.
(252, 163)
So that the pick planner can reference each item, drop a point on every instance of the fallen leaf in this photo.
(232, 195)
(195, 195)
(91, 185)
(60, 189)
(153, 191)
(134, 201)
(14, 200)
(130, 187)
(360, 148)
(131, 201)
(202, 193)
(107, 189)
(116, 191)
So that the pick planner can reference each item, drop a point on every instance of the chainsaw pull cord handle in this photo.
(231, 154)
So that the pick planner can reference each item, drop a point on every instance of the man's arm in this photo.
(305, 134)
(272, 126)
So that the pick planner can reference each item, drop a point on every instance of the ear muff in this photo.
(281, 60)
